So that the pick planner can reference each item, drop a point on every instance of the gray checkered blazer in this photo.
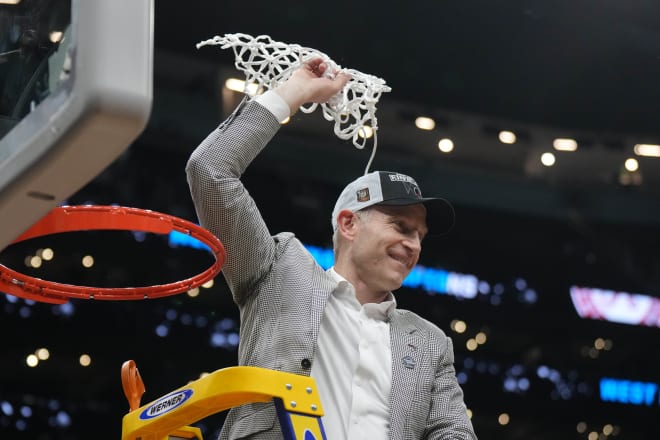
(281, 293)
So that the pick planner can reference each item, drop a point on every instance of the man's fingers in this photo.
(319, 69)
(316, 65)
(344, 77)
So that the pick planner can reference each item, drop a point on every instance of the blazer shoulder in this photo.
(411, 319)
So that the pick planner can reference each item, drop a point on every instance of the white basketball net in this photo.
(268, 63)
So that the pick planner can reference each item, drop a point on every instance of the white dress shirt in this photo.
(353, 365)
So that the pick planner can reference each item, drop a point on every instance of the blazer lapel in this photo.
(318, 300)
(407, 342)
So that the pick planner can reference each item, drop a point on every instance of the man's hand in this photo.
(308, 84)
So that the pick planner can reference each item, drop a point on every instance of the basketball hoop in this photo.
(81, 218)
(269, 63)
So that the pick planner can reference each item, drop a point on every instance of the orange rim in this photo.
(83, 218)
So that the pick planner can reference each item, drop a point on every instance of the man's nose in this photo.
(414, 242)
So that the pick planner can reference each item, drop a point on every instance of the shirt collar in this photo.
(345, 292)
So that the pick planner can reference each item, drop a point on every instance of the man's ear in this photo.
(347, 223)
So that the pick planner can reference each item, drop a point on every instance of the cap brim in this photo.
(440, 216)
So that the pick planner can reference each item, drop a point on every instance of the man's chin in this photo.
(397, 282)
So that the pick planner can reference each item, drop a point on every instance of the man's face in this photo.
(387, 245)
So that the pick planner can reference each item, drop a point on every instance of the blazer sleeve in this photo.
(448, 417)
(222, 203)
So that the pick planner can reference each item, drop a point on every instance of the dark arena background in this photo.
(542, 127)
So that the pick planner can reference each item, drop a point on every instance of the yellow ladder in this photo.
(296, 399)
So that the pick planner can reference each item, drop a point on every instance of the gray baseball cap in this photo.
(391, 188)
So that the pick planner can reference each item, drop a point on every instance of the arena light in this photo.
(55, 36)
(32, 360)
(548, 159)
(46, 254)
(366, 132)
(87, 261)
(564, 144)
(424, 123)
(481, 338)
(446, 145)
(85, 360)
(35, 261)
(42, 354)
(238, 85)
(458, 326)
(648, 150)
(631, 165)
(507, 137)
(503, 419)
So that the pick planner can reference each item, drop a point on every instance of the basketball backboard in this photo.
(75, 91)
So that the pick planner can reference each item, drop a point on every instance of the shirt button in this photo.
(306, 363)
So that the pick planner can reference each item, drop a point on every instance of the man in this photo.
(382, 373)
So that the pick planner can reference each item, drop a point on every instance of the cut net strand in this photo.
(269, 63)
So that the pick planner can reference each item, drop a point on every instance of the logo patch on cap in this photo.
(363, 195)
